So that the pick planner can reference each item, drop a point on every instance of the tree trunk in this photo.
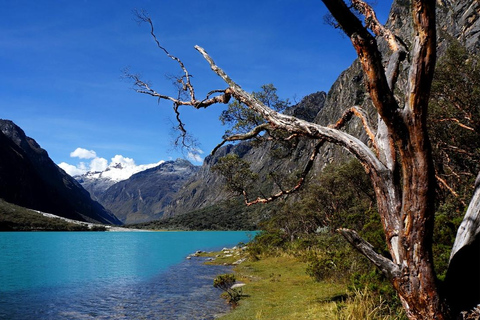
(406, 203)
(462, 283)
(408, 224)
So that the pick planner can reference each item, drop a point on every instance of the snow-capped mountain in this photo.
(145, 195)
(97, 182)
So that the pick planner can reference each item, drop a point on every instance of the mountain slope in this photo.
(29, 178)
(144, 196)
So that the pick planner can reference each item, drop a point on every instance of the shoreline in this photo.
(224, 258)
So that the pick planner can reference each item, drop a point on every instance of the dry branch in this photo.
(390, 269)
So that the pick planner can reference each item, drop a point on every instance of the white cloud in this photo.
(83, 154)
(119, 168)
(98, 164)
(71, 169)
(119, 159)
(194, 155)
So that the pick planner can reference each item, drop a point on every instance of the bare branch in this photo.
(301, 180)
(308, 167)
(370, 59)
(360, 113)
(249, 135)
(423, 58)
(455, 120)
(373, 24)
(183, 83)
(298, 126)
(446, 186)
(142, 16)
(387, 266)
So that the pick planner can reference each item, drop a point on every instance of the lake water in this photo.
(110, 275)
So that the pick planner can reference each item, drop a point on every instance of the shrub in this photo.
(225, 282)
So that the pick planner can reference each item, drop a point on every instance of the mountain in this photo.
(29, 178)
(153, 193)
(97, 182)
(144, 196)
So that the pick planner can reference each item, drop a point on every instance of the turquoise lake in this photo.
(110, 275)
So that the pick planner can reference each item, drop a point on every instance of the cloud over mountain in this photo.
(119, 168)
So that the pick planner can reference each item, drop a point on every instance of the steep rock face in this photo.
(462, 21)
(29, 178)
(144, 196)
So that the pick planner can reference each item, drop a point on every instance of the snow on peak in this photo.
(118, 171)
(120, 167)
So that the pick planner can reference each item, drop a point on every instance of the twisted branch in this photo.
(247, 136)
(142, 16)
(347, 116)
(371, 22)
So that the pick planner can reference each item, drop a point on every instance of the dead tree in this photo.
(398, 157)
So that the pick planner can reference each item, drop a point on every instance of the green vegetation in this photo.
(242, 119)
(225, 282)
(277, 287)
(304, 231)
(229, 215)
(236, 172)
(15, 218)
(299, 267)
(454, 129)
(455, 124)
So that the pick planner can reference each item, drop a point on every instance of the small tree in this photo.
(397, 158)
(225, 282)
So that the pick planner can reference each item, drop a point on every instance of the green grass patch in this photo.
(279, 288)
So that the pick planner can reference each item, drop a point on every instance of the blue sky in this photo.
(62, 62)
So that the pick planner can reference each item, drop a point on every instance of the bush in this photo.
(225, 282)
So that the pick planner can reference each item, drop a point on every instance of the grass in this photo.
(278, 288)
(362, 305)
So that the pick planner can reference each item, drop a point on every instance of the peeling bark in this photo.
(390, 269)
(470, 227)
